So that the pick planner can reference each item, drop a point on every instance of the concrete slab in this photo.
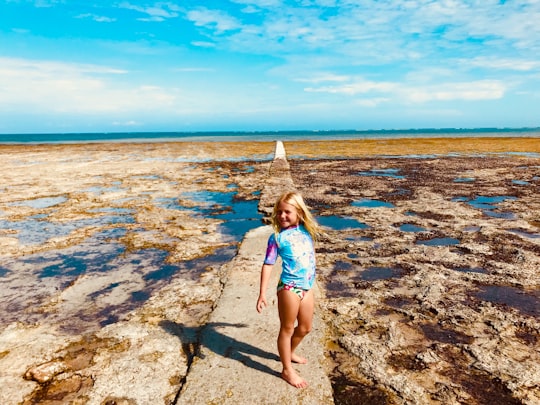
(238, 361)
(279, 152)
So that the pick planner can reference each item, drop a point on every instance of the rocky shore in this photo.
(113, 257)
(436, 299)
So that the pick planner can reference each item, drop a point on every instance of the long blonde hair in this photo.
(306, 219)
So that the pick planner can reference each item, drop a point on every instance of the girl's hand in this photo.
(261, 303)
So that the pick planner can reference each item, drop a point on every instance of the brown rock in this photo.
(44, 372)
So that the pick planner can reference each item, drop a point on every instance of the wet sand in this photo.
(433, 298)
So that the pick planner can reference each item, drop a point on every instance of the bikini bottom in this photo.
(298, 291)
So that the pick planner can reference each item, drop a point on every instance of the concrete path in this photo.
(238, 361)
(280, 151)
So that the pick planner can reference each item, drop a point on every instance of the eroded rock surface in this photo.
(434, 297)
(110, 262)
(112, 258)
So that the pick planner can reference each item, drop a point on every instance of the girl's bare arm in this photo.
(266, 271)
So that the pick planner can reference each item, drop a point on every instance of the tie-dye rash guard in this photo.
(295, 247)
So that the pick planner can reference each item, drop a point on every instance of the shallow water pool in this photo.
(368, 203)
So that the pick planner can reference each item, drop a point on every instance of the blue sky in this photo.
(113, 66)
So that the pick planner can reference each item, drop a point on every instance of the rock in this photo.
(44, 372)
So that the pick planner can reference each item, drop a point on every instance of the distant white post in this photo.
(280, 151)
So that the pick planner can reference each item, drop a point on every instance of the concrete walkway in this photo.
(238, 361)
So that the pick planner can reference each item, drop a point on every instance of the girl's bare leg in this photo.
(289, 308)
(305, 322)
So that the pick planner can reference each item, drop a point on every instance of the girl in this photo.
(295, 229)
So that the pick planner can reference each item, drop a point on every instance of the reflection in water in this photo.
(471, 270)
(338, 223)
(358, 238)
(192, 268)
(98, 190)
(368, 203)
(501, 215)
(102, 280)
(37, 230)
(239, 216)
(444, 335)
(380, 273)
(411, 228)
(400, 192)
(488, 205)
(528, 304)
(343, 266)
(74, 263)
(99, 279)
(525, 234)
(373, 273)
(392, 173)
(242, 217)
(40, 203)
(439, 242)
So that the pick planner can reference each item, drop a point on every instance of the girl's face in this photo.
(287, 215)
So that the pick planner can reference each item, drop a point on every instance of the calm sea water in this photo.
(262, 136)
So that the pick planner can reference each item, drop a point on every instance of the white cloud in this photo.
(69, 88)
(130, 123)
(351, 89)
(250, 10)
(158, 12)
(430, 74)
(323, 77)
(12, 65)
(417, 93)
(394, 53)
(195, 69)
(503, 63)
(216, 20)
(260, 3)
(471, 91)
(371, 32)
(203, 44)
(47, 3)
(96, 18)
(20, 30)
(61, 89)
(371, 102)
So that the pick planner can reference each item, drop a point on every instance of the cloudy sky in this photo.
(187, 65)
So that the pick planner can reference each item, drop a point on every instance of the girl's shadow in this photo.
(209, 336)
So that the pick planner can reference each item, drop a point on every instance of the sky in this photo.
(258, 65)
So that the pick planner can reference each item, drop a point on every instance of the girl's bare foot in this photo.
(293, 378)
(298, 359)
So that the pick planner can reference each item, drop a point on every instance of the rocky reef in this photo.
(431, 272)
(112, 259)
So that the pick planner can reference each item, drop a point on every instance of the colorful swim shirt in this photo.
(295, 247)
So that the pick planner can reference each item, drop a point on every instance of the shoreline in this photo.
(320, 148)
(266, 135)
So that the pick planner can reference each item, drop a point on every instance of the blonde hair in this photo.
(306, 219)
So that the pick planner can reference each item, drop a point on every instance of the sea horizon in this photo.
(261, 136)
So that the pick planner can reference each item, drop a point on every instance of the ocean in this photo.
(221, 136)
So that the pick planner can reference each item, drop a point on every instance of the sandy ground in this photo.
(429, 269)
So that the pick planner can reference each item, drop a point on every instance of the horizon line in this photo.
(292, 131)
